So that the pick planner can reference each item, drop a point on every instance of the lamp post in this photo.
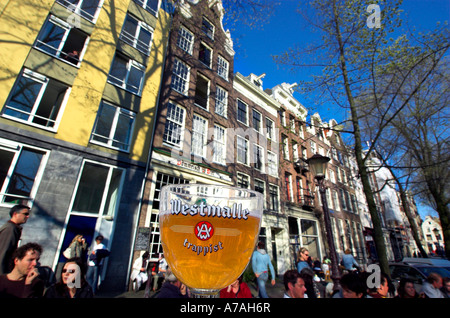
(318, 165)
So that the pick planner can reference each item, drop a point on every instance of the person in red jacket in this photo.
(238, 289)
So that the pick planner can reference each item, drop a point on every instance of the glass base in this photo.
(204, 293)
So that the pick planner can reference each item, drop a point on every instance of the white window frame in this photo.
(246, 112)
(219, 145)
(80, 12)
(260, 128)
(242, 149)
(221, 101)
(211, 28)
(211, 54)
(123, 83)
(270, 130)
(144, 4)
(177, 123)
(44, 81)
(185, 40)
(16, 149)
(257, 149)
(59, 54)
(180, 77)
(199, 136)
(223, 67)
(272, 164)
(133, 39)
(118, 114)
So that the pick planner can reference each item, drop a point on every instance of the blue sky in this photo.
(254, 47)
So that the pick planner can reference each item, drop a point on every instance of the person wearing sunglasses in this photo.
(72, 283)
(10, 234)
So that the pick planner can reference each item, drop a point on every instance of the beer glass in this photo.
(208, 233)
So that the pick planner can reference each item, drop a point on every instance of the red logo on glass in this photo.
(204, 230)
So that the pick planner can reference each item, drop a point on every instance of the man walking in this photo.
(10, 234)
(260, 262)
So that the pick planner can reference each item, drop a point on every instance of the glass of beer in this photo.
(208, 233)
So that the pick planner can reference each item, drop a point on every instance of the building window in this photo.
(270, 129)
(113, 127)
(98, 189)
(292, 123)
(36, 100)
(21, 169)
(243, 181)
(208, 28)
(222, 67)
(155, 246)
(185, 40)
(137, 34)
(127, 74)
(219, 145)
(205, 55)
(295, 151)
(242, 112)
(257, 121)
(221, 101)
(174, 128)
(180, 77)
(285, 145)
(288, 185)
(242, 150)
(258, 157)
(273, 197)
(87, 9)
(202, 92)
(199, 136)
(149, 5)
(61, 40)
(272, 164)
(259, 186)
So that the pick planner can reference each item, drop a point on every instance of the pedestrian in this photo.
(95, 262)
(172, 288)
(406, 289)
(72, 283)
(302, 259)
(381, 291)
(312, 287)
(349, 262)
(237, 289)
(353, 286)
(260, 262)
(77, 248)
(326, 269)
(139, 273)
(161, 271)
(10, 234)
(431, 288)
(293, 284)
(23, 281)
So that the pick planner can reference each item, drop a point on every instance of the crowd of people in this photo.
(20, 275)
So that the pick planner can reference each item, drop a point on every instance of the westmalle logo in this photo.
(204, 230)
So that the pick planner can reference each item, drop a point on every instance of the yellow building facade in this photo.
(79, 86)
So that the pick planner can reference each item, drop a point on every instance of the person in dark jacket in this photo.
(172, 288)
(10, 234)
(72, 283)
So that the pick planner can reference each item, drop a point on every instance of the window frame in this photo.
(123, 83)
(44, 81)
(238, 112)
(119, 111)
(179, 125)
(180, 80)
(199, 144)
(133, 39)
(183, 42)
(16, 149)
(242, 149)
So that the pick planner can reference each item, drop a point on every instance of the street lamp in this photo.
(318, 166)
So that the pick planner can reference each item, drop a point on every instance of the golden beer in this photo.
(207, 245)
